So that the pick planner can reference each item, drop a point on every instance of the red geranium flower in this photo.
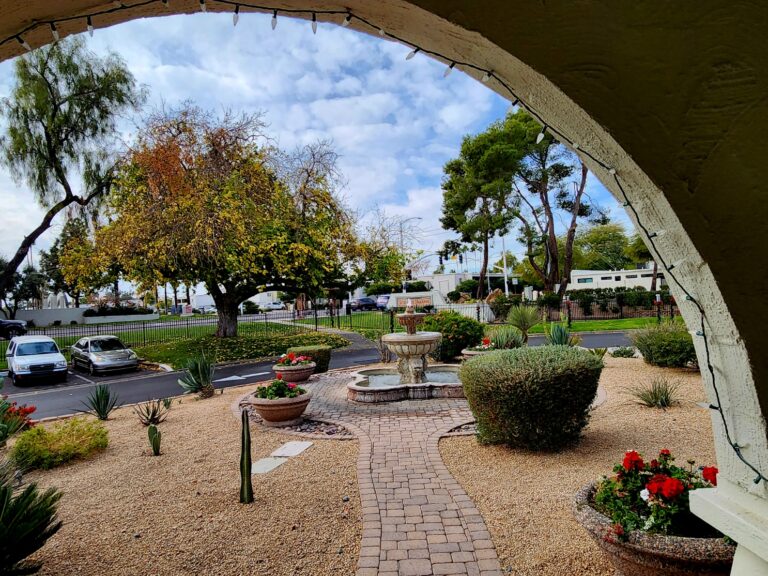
(665, 452)
(709, 473)
(486, 341)
(654, 485)
(291, 356)
(672, 488)
(632, 461)
(654, 463)
(279, 376)
(291, 385)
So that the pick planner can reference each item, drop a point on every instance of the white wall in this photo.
(46, 317)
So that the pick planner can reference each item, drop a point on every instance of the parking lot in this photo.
(75, 378)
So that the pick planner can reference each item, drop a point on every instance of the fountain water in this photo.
(414, 379)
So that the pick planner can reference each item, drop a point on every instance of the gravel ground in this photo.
(126, 512)
(525, 497)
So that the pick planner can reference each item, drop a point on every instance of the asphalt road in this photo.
(66, 398)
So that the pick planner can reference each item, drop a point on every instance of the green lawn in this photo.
(603, 325)
(247, 347)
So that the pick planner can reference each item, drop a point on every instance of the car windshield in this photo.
(106, 345)
(32, 348)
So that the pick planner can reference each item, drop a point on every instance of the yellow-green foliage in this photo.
(45, 448)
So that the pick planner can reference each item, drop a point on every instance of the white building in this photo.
(445, 283)
(642, 277)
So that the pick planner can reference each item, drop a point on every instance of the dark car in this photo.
(11, 328)
(363, 304)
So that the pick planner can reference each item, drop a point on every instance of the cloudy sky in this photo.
(394, 122)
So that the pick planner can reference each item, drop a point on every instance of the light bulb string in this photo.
(487, 75)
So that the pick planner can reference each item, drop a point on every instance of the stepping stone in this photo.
(266, 465)
(291, 449)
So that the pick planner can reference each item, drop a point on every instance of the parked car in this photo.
(277, 305)
(363, 304)
(11, 328)
(382, 301)
(32, 357)
(102, 354)
(210, 309)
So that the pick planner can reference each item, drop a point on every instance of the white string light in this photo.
(314, 23)
(348, 16)
(657, 234)
(54, 32)
(449, 69)
(236, 15)
(486, 77)
(24, 43)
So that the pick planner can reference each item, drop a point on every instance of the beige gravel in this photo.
(525, 497)
(126, 512)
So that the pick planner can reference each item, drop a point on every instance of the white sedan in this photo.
(33, 357)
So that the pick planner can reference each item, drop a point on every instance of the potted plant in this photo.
(640, 518)
(486, 345)
(294, 368)
(280, 403)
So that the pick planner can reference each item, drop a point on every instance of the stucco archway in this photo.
(672, 97)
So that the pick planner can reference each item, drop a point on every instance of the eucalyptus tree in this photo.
(61, 129)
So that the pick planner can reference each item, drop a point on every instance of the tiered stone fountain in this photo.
(414, 378)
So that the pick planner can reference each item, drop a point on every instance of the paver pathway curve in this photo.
(417, 520)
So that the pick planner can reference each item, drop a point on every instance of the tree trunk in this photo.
(175, 288)
(76, 298)
(655, 274)
(227, 324)
(483, 269)
(116, 291)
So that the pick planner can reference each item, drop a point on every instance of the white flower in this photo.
(644, 494)
(648, 523)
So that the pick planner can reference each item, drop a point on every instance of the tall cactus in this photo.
(154, 439)
(246, 488)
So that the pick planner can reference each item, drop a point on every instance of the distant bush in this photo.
(45, 448)
(250, 307)
(468, 286)
(667, 344)
(501, 304)
(549, 300)
(453, 296)
(458, 332)
(623, 352)
(320, 354)
(523, 317)
(416, 286)
(377, 288)
(116, 311)
(519, 396)
(559, 335)
(507, 338)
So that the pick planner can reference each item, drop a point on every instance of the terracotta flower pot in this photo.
(644, 554)
(281, 411)
(298, 373)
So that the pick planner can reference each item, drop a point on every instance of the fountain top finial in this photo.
(410, 319)
(409, 306)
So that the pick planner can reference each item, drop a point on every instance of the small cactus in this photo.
(154, 439)
(246, 488)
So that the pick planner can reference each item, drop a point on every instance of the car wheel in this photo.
(91, 369)
(64, 377)
(15, 380)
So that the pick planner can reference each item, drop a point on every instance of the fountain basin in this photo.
(383, 385)
(406, 345)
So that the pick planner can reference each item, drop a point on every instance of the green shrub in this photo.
(549, 300)
(46, 448)
(534, 398)
(660, 393)
(198, 376)
(523, 318)
(250, 307)
(623, 352)
(458, 332)
(501, 304)
(668, 345)
(453, 296)
(27, 520)
(320, 354)
(599, 352)
(507, 338)
(468, 286)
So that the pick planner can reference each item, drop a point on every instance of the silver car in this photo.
(103, 353)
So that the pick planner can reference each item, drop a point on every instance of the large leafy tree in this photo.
(638, 253)
(199, 200)
(476, 189)
(61, 129)
(603, 247)
(26, 287)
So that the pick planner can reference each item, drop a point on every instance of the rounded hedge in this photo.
(668, 345)
(458, 332)
(533, 398)
(320, 354)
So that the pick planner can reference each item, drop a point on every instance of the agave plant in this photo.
(507, 337)
(101, 401)
(558, 335)
(152, 412)
(27, 520)
(599, 352)
(523, 318)
(198, 376)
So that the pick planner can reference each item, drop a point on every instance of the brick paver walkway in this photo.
(417, 520)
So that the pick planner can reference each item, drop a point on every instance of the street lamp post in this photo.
(402, 242)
